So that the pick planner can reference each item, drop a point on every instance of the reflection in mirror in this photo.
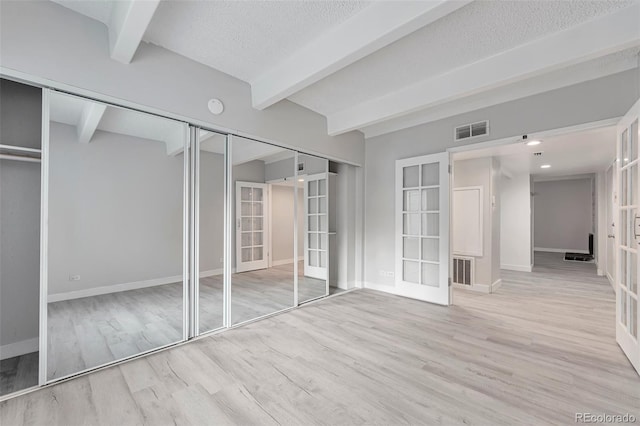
(20, 136)
(263, 231)
(211, 229)
(115, 236)
(313, 271)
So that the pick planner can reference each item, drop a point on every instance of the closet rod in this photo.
(19, 158)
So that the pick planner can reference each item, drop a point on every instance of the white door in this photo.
(251, 220)
(611, 192)
(628, 237)
(316, 226)
(422, 228)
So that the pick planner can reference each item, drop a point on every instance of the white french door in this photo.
(628, 238)
(422, 228)
(316, 226)
(251, 220)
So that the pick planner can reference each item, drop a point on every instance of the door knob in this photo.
(611, 236)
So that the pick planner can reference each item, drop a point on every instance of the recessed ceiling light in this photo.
(626, 160)
(300, 180)
(533, 143)
(545, 166)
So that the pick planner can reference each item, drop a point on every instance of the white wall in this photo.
(515, 223)
(49, 41)
(594, 100)
(211, 212)
(115, 211)
(20, 115)
(563, 215)
(482, 172)
(282, 220)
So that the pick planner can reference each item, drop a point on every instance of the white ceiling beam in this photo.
(375, 27)
(127, 25)
(555, 80)
(89, 120)
(593, 39)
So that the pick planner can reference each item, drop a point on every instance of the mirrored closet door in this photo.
(263, 229)
(209, 191)
(117, 250)
(20, 176)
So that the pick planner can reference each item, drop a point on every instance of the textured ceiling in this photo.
(244, 38)
(577, 153)
(476, 31)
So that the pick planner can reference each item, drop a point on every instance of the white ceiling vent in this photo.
(472, 130)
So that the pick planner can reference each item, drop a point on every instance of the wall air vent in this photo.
(463, 270)
(472, 130)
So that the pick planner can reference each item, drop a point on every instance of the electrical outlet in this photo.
(391, 274)
(74, 277)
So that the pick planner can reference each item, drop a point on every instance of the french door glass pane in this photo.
(431, 199)
(633, 272)
(430, 274)
(633, 186)
(411, 224)
(430, 249)
(411, 271)
(431, 174)
(313, 188)
(633, 140)
(623, 306)
(623, 190)
(624, 227)
(623, 267)
(624, 145)
(633, 314)
(411, 249)
(322, 186)
(411, 200)
(246, 209)
(430, 224)
(411, 177)
(313, 205)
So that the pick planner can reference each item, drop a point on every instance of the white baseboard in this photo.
(19, 348)
(496, 285)
(556, 250)
(479, 288)
(282, 262)
(519, 268)
(116, 288)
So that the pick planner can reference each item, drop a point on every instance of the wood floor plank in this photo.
(535, 352)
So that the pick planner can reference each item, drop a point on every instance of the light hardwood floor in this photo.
(536, 352)
(92, 331)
